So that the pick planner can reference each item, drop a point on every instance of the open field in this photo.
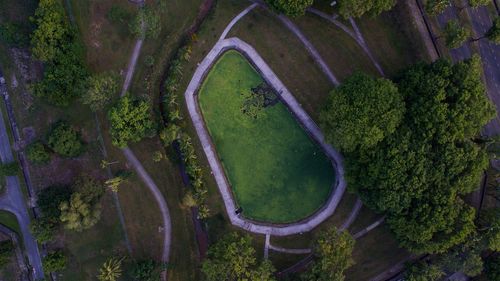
(276, 171)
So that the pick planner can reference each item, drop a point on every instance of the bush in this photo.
(65, 141)
(37, 153)
(147, 270)
(14, 34)
(6, 252)
(43, 229)
(292, 8)
(9, 169)
(101, 89)
(54, 261)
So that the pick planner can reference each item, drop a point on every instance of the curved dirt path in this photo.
(191, 100)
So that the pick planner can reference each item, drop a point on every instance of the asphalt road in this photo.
(13, 200)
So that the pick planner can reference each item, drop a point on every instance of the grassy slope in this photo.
(9, 220)
(276, 171)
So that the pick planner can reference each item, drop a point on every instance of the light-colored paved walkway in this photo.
(235, 20)
(368, 228)
(311, 49)
(306, 121)
(356, 35)
(290, 251)
(352, 216)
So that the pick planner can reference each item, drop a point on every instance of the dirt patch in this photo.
(30, 69)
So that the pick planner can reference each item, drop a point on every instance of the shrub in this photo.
(49, 200)
(101, 89)
(43, 229)
(54, 261)
(147, 270)
(6, 252)
(9, 169)
(37, 153)
(14, 34)
(292, 8)
(65, 141)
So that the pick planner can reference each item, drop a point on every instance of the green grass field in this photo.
(278, 174)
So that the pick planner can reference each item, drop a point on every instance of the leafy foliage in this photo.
(477, 3)
(6, 252)
(54, 261)
(417, 174)
(9, 169)
(494, 33)
(423, 272)
(55, 43)
(78, 214)
(101, 88)
(49, 200)
(455, 34)
(37, 153)
(130, 121)
(333, 251)
(434, 7)
(65, 141)
(147, 23)
(43, 229)
(253, 106)
(464, 258)
(357, 8)
(492, 268)
(293, 8)
(111, 270)
(146, 270)
(14, 34)
(362, 112)
(233, 258)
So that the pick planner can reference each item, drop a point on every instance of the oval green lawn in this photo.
(277, 173)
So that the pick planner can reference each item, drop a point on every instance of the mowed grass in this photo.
(277, 173)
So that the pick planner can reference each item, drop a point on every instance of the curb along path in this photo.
(300, 114)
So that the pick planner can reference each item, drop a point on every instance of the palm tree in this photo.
(111, 270)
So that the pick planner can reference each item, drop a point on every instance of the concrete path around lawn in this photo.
(313, 130)
(290, 251)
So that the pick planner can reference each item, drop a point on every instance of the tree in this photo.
(54, 261)
(434, 7)
(101, 88)
(494, 33)
(465, 258)
(157, 156)
(6, 252)
(489, 229)
(455, 34)
(293, 8)
(111, 270)
(146, 23)
(79, 213)
(361, 112)
(51, 32)
(9, 169)
(357, 8)
(43, 229)
(417, 174)
(130, 121)
(37, 153)
(49, 200)
(492, 268)
(423, 271)
(233, 258)
(477, 3)
(333, 251)
(146, 270)
(65, 140)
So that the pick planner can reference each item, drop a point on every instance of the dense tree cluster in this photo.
(357, 8)
(494, 33)
(130, 121)
(174, 132)
(233, 258)
(6, 252)
(423, 271)
(54, 42)
(418, 174)
(293, 8)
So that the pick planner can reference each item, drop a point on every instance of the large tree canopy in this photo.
(362, 112)
(292, 8)
(357, 8)
(417, 174)
(234, 259)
